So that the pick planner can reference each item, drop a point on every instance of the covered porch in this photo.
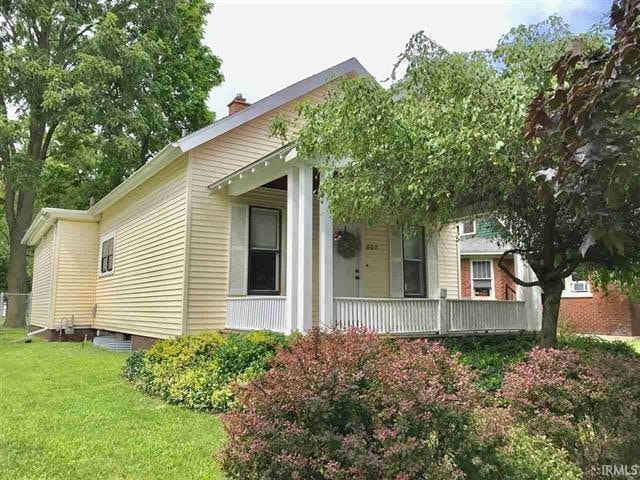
(288, 272)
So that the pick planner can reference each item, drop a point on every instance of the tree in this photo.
(468, 134)
(93, 84)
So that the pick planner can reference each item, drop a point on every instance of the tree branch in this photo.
(504, 268)
(47, 140)
(566, 271)
(73, 39)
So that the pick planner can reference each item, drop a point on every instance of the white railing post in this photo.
(443, 312)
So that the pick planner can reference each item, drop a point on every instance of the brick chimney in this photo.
(237, 104)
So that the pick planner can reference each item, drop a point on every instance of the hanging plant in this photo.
(346, 244)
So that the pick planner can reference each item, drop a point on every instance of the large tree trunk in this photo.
(550, 311)
(17, 283)
(19, 221)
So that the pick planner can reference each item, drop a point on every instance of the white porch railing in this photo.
(396, 316)
(256, 313)
(387, 315)
(485, 315)
(429, 316)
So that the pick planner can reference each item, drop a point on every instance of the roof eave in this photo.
(36, 230)
(167, 155)
(226, 124)
(47, 217)
(273, 101)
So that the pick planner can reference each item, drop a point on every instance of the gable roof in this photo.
(175, 149)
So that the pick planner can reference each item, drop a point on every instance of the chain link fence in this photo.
(15, 310)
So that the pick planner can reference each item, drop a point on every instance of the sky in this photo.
(268, 45)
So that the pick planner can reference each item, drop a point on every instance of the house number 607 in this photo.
(372, 246)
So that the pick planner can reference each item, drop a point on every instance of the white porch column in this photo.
(305, 233)
(326, 267)
(291, 307)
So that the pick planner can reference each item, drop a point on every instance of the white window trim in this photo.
(104, 238)
(493, 279)
(468, 233)
(568, 291)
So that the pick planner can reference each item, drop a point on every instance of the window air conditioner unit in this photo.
(580, 286)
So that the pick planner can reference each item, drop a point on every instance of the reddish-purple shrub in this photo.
(355, 405)
(587, 403)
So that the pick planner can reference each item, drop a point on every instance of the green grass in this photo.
(636, 345)
(65, 413)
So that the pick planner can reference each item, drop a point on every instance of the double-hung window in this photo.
(264, 251)
(107, 247)
(482, 278)
(414, 262)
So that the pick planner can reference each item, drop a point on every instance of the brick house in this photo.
(582, 308)
(480, 275)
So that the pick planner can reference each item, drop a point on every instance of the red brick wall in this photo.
(501, 278)
(78, 335)
(142, 343)
(601, 314)
(465, 278)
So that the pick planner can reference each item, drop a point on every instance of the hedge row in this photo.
(358, 405)
(334, 405)
(197, 370)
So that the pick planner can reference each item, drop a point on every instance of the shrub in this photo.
(242, 352)
(134, 366)
(489, 356)
(356, 405)
(196, 371)
(586, 402)
(596, 345)
(565, 327)
(534, 457)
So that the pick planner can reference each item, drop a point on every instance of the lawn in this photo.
(636, 345)
(65, 412)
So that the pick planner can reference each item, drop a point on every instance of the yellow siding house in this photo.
(222, 230)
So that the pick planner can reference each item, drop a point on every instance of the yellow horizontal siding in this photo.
(144, 294)
(448, 261)
(77, 260)
(42, 286)
(209, 235)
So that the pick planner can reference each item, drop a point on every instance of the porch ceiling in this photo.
(263, 170)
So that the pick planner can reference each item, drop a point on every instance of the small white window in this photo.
(107, 253)
(467, 228)
(482, 279)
